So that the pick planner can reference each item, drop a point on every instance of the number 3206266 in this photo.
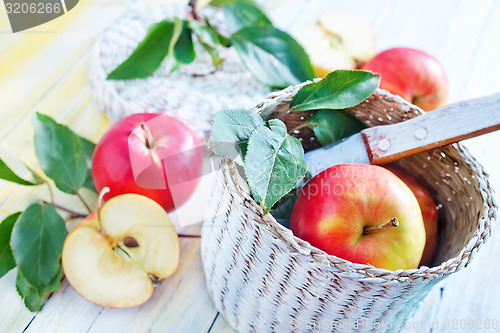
(33, 8)
(476, 324)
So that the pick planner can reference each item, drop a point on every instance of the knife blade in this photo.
(387, 143)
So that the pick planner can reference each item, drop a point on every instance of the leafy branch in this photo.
(271, 55)
(32, 240)
(274, 160)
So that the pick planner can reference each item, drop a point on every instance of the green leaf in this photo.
(272, 56)
(14, 170)
(7, 261)
(223, 40)
(149, 54)
(205, 34)
(37, 241)
(274, 163)
(32, 297)
(338, 90)
(209, 40)
(88, 150)
(282, 210)
(332, 125)
(242, 14)
(59, 151)
(184, 48)
(231, 130)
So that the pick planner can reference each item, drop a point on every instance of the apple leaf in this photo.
(37, 240)
(272, 56)
(32, 297)
(338, 90)
(282, 210)
(242, 14)
(14, 170)
(7, 261)
(231, 130)
(150, 52)
(205, 33)
(209, 40)
(332, 125)
(184, 48)
(88, 150)
(60, 153)
(274, 163)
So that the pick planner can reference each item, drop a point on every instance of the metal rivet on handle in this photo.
(420, 134)
(384, 144)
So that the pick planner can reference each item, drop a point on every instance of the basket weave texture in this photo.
(263, 279)
(197, 85)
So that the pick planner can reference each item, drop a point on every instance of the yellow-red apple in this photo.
(412, 74)
(361, 213)
(429, 212)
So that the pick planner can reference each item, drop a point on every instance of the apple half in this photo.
(338, 40)
(118, 254)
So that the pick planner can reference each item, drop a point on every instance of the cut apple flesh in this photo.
(357, 36)
(326, 53)
(338, 41)
(116, 257)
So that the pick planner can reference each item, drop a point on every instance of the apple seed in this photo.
(130, 242)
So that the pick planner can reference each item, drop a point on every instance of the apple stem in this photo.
(188, 236)
(99, 205)
(389, 224)
(194, 10)
(147, 136)
(72, 212)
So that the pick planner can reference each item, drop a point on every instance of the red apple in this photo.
(412, 74)
(151, 154)
(429, 211)
(361, 213)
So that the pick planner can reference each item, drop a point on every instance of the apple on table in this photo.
(117, 255)
(151, 154)
(412, 74)
(338, 40)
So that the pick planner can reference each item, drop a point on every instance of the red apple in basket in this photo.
(361, 213)
(117, 255)
(429, 211)
(412, 74)
(151, 154)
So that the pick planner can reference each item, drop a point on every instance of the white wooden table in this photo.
(44, 69)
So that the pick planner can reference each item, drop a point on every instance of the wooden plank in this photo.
(180, 304)
(56, 53)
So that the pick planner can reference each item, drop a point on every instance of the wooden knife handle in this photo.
(433, 129)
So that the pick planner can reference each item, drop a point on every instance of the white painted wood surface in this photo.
(45, 70)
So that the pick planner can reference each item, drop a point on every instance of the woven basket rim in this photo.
(301, 247)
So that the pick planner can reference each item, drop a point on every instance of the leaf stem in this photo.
(83, 201)
(67, 210)
(51, 193)
(298, 127)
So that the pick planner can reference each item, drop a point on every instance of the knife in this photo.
(387, 143)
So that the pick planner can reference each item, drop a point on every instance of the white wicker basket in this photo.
(263, 279)
(196, 85)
